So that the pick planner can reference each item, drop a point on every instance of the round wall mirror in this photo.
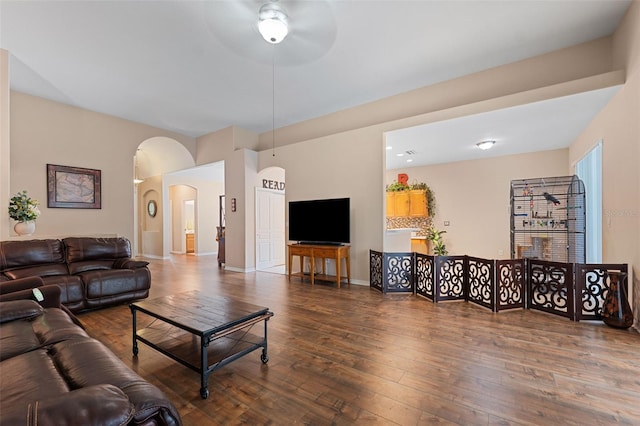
(152, 208)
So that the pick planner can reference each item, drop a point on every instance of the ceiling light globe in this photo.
(273, 25)
(484, 145)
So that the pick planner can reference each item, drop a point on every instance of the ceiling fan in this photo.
(311, 29)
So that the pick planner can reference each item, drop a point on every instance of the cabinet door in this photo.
(418, 203)
(402, 203)
(391, 204)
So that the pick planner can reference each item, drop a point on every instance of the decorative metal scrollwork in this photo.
(451, 275)
(549, 287)
(595, 286)
(480, 276)
(510, 278)
(399, 272)
(375, 270)
(424, 275)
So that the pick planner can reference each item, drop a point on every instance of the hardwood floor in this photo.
(353, 356)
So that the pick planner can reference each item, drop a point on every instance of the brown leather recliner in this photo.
(91, 272)
(52, 372)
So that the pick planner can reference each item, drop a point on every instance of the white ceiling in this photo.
(198, 66)
(538, 126)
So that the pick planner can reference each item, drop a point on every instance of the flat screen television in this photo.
(320, 221)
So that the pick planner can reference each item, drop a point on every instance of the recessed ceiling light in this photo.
(409, 160)
(400, 154)
(389, 147)
(485, 144)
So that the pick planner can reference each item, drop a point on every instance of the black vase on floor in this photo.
(616, 311)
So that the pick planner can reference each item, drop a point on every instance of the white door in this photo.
(270, 244)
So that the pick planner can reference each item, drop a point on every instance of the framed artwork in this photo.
(73, 187)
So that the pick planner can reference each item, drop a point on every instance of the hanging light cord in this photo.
(273, 100)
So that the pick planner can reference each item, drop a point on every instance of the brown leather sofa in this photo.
(53, 372)
(91, 272)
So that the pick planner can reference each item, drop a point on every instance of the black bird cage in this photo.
(548, 219)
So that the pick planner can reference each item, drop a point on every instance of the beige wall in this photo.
(5, 189)
(44, 132)
(618, 126)
(474, 197)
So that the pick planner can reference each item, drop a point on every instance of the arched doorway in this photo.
(155, 157)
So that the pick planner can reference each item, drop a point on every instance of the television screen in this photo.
(320, 221)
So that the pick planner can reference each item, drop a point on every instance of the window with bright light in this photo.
(589, 170)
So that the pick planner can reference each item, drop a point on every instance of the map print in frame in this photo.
(73, 187)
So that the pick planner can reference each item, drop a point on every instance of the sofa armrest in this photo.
(92, 405)
(20, 284)
(128, 263)
(51, 296)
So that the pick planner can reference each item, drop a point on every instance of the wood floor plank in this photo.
(356, 356)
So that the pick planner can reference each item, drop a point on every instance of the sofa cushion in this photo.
(94, 405)
(16, 254)
(51, 269)
(87, 362)
(17, 338)
(54, 326)
(83, 249)
(29, 376)
(19, 309)
(114, 281)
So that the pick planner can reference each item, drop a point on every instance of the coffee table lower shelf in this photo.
(203, 353)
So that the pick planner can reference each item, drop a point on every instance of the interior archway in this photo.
(155, 157)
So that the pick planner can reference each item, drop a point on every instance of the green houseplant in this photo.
(435, 236)
(24, 210)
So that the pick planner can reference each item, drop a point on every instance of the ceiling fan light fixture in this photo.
(273, 23)
(484, 145)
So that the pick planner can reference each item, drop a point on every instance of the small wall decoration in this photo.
(73, 187)
(152, 208)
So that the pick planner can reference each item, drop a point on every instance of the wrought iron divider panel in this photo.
(399, 272)
(481, 282)
(551, 287)
(591, 286)
(451, 282)
(375, 269)
(510, 289)
(575, 291)
(425, 278)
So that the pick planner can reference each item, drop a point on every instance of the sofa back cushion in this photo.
(17, 254)
(101, 249)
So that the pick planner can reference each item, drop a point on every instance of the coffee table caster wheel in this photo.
(204, 393)
(264, 358)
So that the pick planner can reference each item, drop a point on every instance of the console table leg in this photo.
(313, 268)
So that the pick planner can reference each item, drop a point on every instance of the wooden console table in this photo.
(324, 252)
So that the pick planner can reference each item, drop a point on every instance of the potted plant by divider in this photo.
(435, 236)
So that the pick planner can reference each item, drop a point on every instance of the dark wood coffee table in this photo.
(222, 323)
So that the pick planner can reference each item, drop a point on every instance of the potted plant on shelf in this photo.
(24, 210)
